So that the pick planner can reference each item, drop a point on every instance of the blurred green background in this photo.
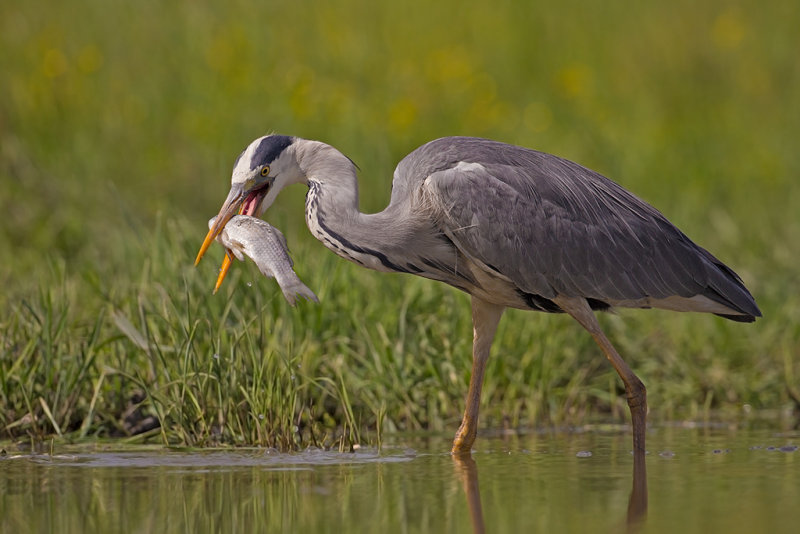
(120, 121)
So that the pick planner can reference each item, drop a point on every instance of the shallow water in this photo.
(699, 479)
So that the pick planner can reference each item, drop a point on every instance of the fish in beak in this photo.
(239, 201)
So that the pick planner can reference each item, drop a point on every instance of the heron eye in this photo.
(265, 170)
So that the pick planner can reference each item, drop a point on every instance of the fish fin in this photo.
(298, 290)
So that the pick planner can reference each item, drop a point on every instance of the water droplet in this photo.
(666, 454)
(584, 454)
(295, 429)
(293, 378)
(261, 416)
(216, 356)
(249, 284)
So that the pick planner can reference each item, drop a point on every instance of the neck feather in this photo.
(332, 214)
(401, 238)
(324, 165)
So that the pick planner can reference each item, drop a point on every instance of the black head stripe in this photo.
(269, 149)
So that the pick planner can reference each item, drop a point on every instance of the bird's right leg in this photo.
(485, 317)
(635, 391)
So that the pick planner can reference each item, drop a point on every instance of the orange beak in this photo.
(227, 261)
(238, 201)
(230, 207)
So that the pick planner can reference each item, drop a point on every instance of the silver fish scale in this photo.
(255, 238)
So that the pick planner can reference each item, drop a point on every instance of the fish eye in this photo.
(265, 170)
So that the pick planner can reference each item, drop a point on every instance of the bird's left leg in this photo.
(485, 317)
(636, 393)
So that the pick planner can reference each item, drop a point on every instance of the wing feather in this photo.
(554, 227)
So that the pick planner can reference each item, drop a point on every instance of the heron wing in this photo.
(554, 227)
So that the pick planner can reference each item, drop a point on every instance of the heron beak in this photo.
(238, 201)
(231, 206)
(223, 270)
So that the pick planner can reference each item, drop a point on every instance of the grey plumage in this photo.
(554, 227)
(512, 227)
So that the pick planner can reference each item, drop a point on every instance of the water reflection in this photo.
(467, 471)
(637, 503)
(699, 480)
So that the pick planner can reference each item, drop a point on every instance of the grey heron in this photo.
(510, 226)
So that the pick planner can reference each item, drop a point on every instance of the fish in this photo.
(255, 238)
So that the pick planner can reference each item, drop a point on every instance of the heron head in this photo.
(260, 172)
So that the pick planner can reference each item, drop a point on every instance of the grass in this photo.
(118, 129)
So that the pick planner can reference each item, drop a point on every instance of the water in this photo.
(707, 479)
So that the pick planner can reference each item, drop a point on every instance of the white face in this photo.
(267, 151)
(243, 168)
(267, 159)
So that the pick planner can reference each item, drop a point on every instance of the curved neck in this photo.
(332, 214)
(336, 173)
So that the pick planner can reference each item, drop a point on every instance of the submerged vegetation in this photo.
(116, 141)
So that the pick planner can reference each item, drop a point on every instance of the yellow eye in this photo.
(265, 170)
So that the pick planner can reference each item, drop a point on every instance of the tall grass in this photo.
(119, 125)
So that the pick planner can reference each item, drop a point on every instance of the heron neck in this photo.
(333, 217)
(331, 170)
(367, 239)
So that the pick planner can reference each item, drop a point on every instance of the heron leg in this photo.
(485, 317)
(635, 391)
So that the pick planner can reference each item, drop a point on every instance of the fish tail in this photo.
(299, 289)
